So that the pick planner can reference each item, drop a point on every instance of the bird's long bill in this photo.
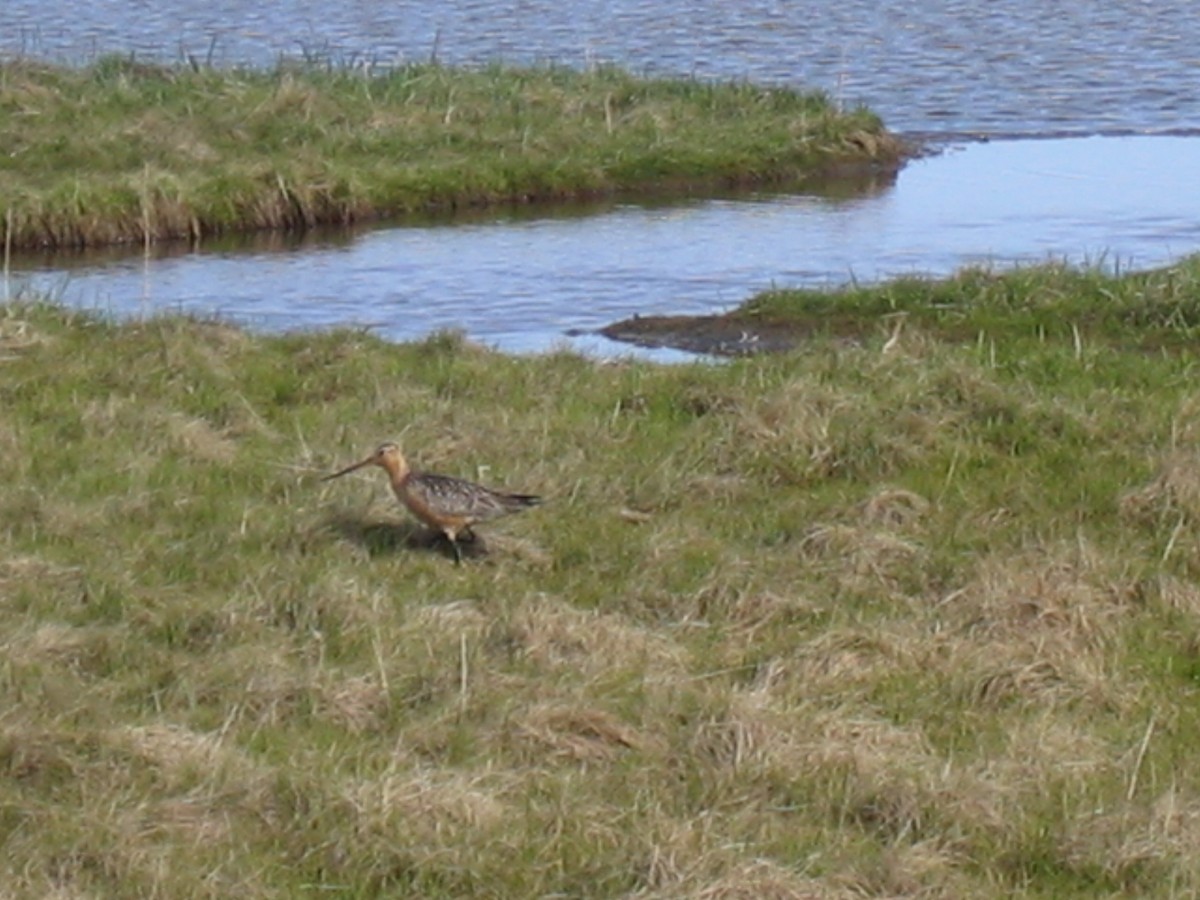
(350, 468)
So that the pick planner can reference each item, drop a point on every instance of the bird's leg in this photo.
(454, 546)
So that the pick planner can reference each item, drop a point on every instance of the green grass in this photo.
(125, 152)
(847, 622)
(1153, 309)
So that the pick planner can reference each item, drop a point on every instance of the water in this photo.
(525, 284)
(1000, 66)
(994, 66)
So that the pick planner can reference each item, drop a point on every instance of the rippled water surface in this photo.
(997, 66)
(524, 284)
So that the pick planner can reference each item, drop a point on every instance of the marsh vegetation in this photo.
(122, 152)
(907, 618)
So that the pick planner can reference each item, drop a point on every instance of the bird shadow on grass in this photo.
(382, 537)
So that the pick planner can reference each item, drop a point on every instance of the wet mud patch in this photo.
(733, 334)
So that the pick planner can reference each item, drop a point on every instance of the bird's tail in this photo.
(521, 501)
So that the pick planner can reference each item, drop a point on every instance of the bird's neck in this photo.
(397, 468)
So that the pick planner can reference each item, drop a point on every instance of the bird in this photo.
(450, 505)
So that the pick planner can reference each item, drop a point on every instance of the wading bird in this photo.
(451, 505)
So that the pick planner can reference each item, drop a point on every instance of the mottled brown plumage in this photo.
(451, 505)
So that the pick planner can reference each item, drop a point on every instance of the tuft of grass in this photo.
(907, 618)
(127, 152)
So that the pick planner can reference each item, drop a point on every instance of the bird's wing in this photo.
(456, 497)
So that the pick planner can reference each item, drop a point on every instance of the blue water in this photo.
(534, 283)
(948, 67)
(995, 66)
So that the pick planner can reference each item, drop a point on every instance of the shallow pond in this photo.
(529, 283)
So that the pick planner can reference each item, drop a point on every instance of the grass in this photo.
(847, 622)
(1152, 309)
(127, 152)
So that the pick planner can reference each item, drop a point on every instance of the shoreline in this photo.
(957, 308)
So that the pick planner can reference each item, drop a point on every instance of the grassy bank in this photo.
(128, 152)
(1154, 310)
(914, 622)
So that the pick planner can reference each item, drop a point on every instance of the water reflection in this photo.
(523, 280)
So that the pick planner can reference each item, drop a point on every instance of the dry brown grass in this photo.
(843, 624)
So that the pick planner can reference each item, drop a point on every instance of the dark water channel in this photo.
(526, 283)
